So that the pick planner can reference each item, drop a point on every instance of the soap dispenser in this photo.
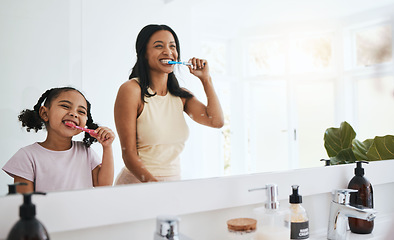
(363, 197)
(299, 222)
(12, 187)
(28, 227)
(272, 221)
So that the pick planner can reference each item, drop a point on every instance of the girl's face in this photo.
(69, 106)
(161, 47)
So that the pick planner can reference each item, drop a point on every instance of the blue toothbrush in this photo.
(183, 63)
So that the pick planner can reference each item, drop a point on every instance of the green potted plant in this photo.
(342, 146)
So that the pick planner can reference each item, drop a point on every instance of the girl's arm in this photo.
(210, 115)
(103, 175)
(127, 105)
(24, 188)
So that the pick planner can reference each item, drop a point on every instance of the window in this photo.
(266, 56)
(373, 45)
(287, 89)
(311, 54)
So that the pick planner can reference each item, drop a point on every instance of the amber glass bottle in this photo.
(363, 197)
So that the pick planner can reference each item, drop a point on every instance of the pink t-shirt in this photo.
(54, 170)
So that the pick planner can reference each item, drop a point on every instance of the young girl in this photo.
(59, 163)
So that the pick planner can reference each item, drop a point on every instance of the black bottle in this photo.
(12, 187)
(363, 197)
(28, 227)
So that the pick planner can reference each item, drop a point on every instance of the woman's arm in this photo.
(24, 188)
(127, 105)
(210, 115)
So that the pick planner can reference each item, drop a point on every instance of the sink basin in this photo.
(383, 223)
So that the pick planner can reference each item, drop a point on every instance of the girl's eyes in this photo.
(68, 107)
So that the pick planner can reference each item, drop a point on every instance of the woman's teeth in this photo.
(165, 61)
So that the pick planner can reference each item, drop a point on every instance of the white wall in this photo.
(35, 56)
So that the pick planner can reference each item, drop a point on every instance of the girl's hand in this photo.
(105, 136)
(199, 68)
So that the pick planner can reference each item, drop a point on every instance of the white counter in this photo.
(129, 212)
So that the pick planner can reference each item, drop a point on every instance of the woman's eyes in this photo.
(82, 112)
(161, 46)
(65, 106)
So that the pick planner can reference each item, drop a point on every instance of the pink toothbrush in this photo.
(90, 131)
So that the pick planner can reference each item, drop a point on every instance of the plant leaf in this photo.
(360, 149)
(337, 139)
(344, 156)
(382, 148)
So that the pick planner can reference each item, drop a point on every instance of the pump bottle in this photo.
(364, 197)
(12, 187)
(28, 227)
(299, 222)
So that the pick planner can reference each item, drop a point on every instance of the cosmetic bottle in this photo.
(299, 222)
(272, 221)
(241, 229)
(28, 227)
(363, 197)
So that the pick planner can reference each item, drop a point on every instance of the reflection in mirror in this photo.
(284, 72)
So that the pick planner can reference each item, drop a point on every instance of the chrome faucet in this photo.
(167, 228)
(340, 210)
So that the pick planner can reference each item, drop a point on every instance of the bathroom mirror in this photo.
(284, 71)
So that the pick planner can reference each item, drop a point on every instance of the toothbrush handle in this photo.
(90, 131)
(187, 63)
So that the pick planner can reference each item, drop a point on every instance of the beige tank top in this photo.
(161, 134)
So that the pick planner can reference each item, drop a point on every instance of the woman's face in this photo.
(160, 49)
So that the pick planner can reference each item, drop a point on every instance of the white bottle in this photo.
(299, 222)
(272, 222)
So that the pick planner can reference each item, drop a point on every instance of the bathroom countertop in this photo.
(383, 223)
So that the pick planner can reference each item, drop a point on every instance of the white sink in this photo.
(383, 223)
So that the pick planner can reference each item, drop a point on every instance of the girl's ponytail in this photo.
(31, 118)
(88, 140)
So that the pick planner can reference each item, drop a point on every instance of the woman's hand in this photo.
(105, 136)
(199, 68)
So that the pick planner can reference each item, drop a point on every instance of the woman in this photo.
(149, 109)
